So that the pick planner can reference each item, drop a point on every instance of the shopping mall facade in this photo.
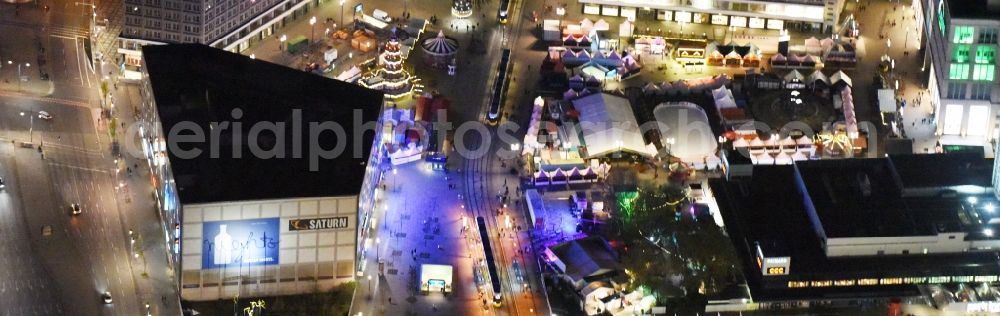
(812, 15)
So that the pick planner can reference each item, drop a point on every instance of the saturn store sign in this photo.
(339, 222)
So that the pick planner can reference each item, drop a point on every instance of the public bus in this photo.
(502, 14)
(499, 87)
(491, 265)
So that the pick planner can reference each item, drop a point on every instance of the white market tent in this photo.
(818, 76)
(601, 25)
(794, 75)
(841, 76)
(625, 29)
(687, 124)
(723, 98)
(887, 100)
(608, 125)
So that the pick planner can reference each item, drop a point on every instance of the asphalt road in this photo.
(85, 254)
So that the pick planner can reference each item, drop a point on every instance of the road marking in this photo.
(76, 56)
(57, 164)
(44, 99)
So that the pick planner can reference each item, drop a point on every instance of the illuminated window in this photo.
(796, 284)
(958, 72)
(941, 25)
(914, 280)
(986, 278)
(953, 119)
(939, 279)
(961, 53)
(868, 282)
(822, 283)
(983, 72)
(985, 54)
(843, 283)
(979, 119)
(964, 278)
(891, 281)
(963, 34)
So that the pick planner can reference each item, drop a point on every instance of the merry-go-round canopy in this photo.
(440, 45)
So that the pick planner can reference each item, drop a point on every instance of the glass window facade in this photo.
(985, 54)
(956, 90)
(983, 72)
(953, 119)
(958, 71)
(963, 34)
(979, 116)
(981, 91)
(987, 36)
(941, 24)
(961, 53)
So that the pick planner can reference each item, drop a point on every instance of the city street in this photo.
(58, 262)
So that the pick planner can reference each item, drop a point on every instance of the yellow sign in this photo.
(691, 53)
(255, 306)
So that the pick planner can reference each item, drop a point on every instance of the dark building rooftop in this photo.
(974, 9)
(852, 198)
(198, 85)
(953, 169)
(587, 258)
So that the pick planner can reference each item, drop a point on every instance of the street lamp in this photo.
(342, 12)
(31, 126)
(312, 26)
(283, 38)
(19, 73)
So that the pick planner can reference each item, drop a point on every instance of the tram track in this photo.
(477, 194)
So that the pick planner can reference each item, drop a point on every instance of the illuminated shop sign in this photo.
(756, 23)
(774, 24)
(740, 21)
(682, 17)
(719, 19)
(318, 223)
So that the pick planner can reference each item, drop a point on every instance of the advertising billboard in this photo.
(240, 243)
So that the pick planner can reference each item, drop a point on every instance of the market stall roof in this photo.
(609, 125)
(586, 257)
(887, 100)
(440, 45)
(650, 88)
(794, 75)
(818, 76)
(687, 124)
(601, 25)
(841, 76)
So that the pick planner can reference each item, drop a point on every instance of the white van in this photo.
(381, 15)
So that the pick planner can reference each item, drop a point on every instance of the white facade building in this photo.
(960, 56)
(821, 15)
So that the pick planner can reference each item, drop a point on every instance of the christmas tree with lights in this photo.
(389, 77)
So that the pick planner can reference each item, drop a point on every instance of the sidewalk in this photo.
(17, 47)
(917, 116)
(152, 271)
